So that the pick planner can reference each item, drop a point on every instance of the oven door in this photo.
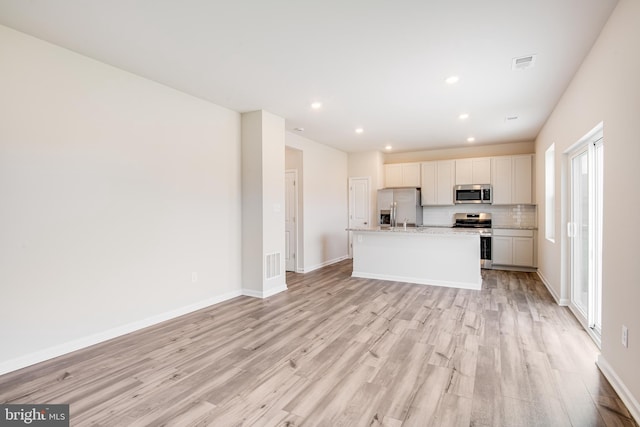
(468, 195)
(485, 252)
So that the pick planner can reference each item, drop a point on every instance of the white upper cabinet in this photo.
(502, 180)
(512, 179)
(473, 171)
(393, 175)
(522, 179)
(437, 183)
(411, 175)
(402, 175)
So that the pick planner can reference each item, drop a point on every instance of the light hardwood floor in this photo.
(337, 351)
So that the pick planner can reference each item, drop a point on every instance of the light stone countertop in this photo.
(420, 230)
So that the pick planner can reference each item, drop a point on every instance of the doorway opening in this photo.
(294, 210)
(291, 219)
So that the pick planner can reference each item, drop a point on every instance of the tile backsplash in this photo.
(501, 215)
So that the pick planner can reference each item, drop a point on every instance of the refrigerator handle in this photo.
(394, 208)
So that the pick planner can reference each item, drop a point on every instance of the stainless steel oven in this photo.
(486, 261)
(482, 223)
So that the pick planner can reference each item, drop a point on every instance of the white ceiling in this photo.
(375, 64)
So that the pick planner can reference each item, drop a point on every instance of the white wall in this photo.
(606, 88)
(273, 206)
(252, 203)
(114, 190)
(507, 149)
(325, 202)
(262, 203)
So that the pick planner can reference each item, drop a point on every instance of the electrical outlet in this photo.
(625, 336)
(194, 277)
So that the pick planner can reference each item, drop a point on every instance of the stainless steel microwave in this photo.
(479, 193)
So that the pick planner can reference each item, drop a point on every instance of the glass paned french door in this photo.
(584, 230)
(579, 231)
(595, 320)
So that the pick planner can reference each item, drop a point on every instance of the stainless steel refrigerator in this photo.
(399, 205)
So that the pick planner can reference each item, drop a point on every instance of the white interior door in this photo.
(290, 219)
(359, 202)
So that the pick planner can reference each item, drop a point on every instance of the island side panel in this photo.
(451, 260)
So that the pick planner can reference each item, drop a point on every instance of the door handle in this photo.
(365, 223)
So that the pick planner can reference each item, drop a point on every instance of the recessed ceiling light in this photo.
(451, 80)
(299, 129)
(463, 116)
(471, 139)
(316, 105)
(388, 147)
(359, 130)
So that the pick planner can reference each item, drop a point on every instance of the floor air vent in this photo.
(272, 265)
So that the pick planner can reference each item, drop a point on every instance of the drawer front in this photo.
(510, 232)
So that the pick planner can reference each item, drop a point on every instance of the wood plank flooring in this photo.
(337, 351)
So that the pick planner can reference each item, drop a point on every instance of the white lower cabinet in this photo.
(523, 251)
(502, 250)
(513, 247)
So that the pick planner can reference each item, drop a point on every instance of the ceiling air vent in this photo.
(523, 62)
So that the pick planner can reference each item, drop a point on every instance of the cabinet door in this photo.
(502, 250)
(464, 174)
(393, 175)
(481, 171)
(522, 179)
(473, 171)
(501, 179)
(411, 175)
(523, 251)
(428, 192)
(445, 179)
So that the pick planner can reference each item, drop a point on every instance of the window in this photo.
(550, 193)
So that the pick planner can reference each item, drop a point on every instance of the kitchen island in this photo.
(427, 256)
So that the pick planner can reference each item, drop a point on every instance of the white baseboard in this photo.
(80, 343)
(262, 295)
(554, 294)
(274, 291)
(514, 268)
(324, 264)
(419, 281)
(251, 293)
(618, 385)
